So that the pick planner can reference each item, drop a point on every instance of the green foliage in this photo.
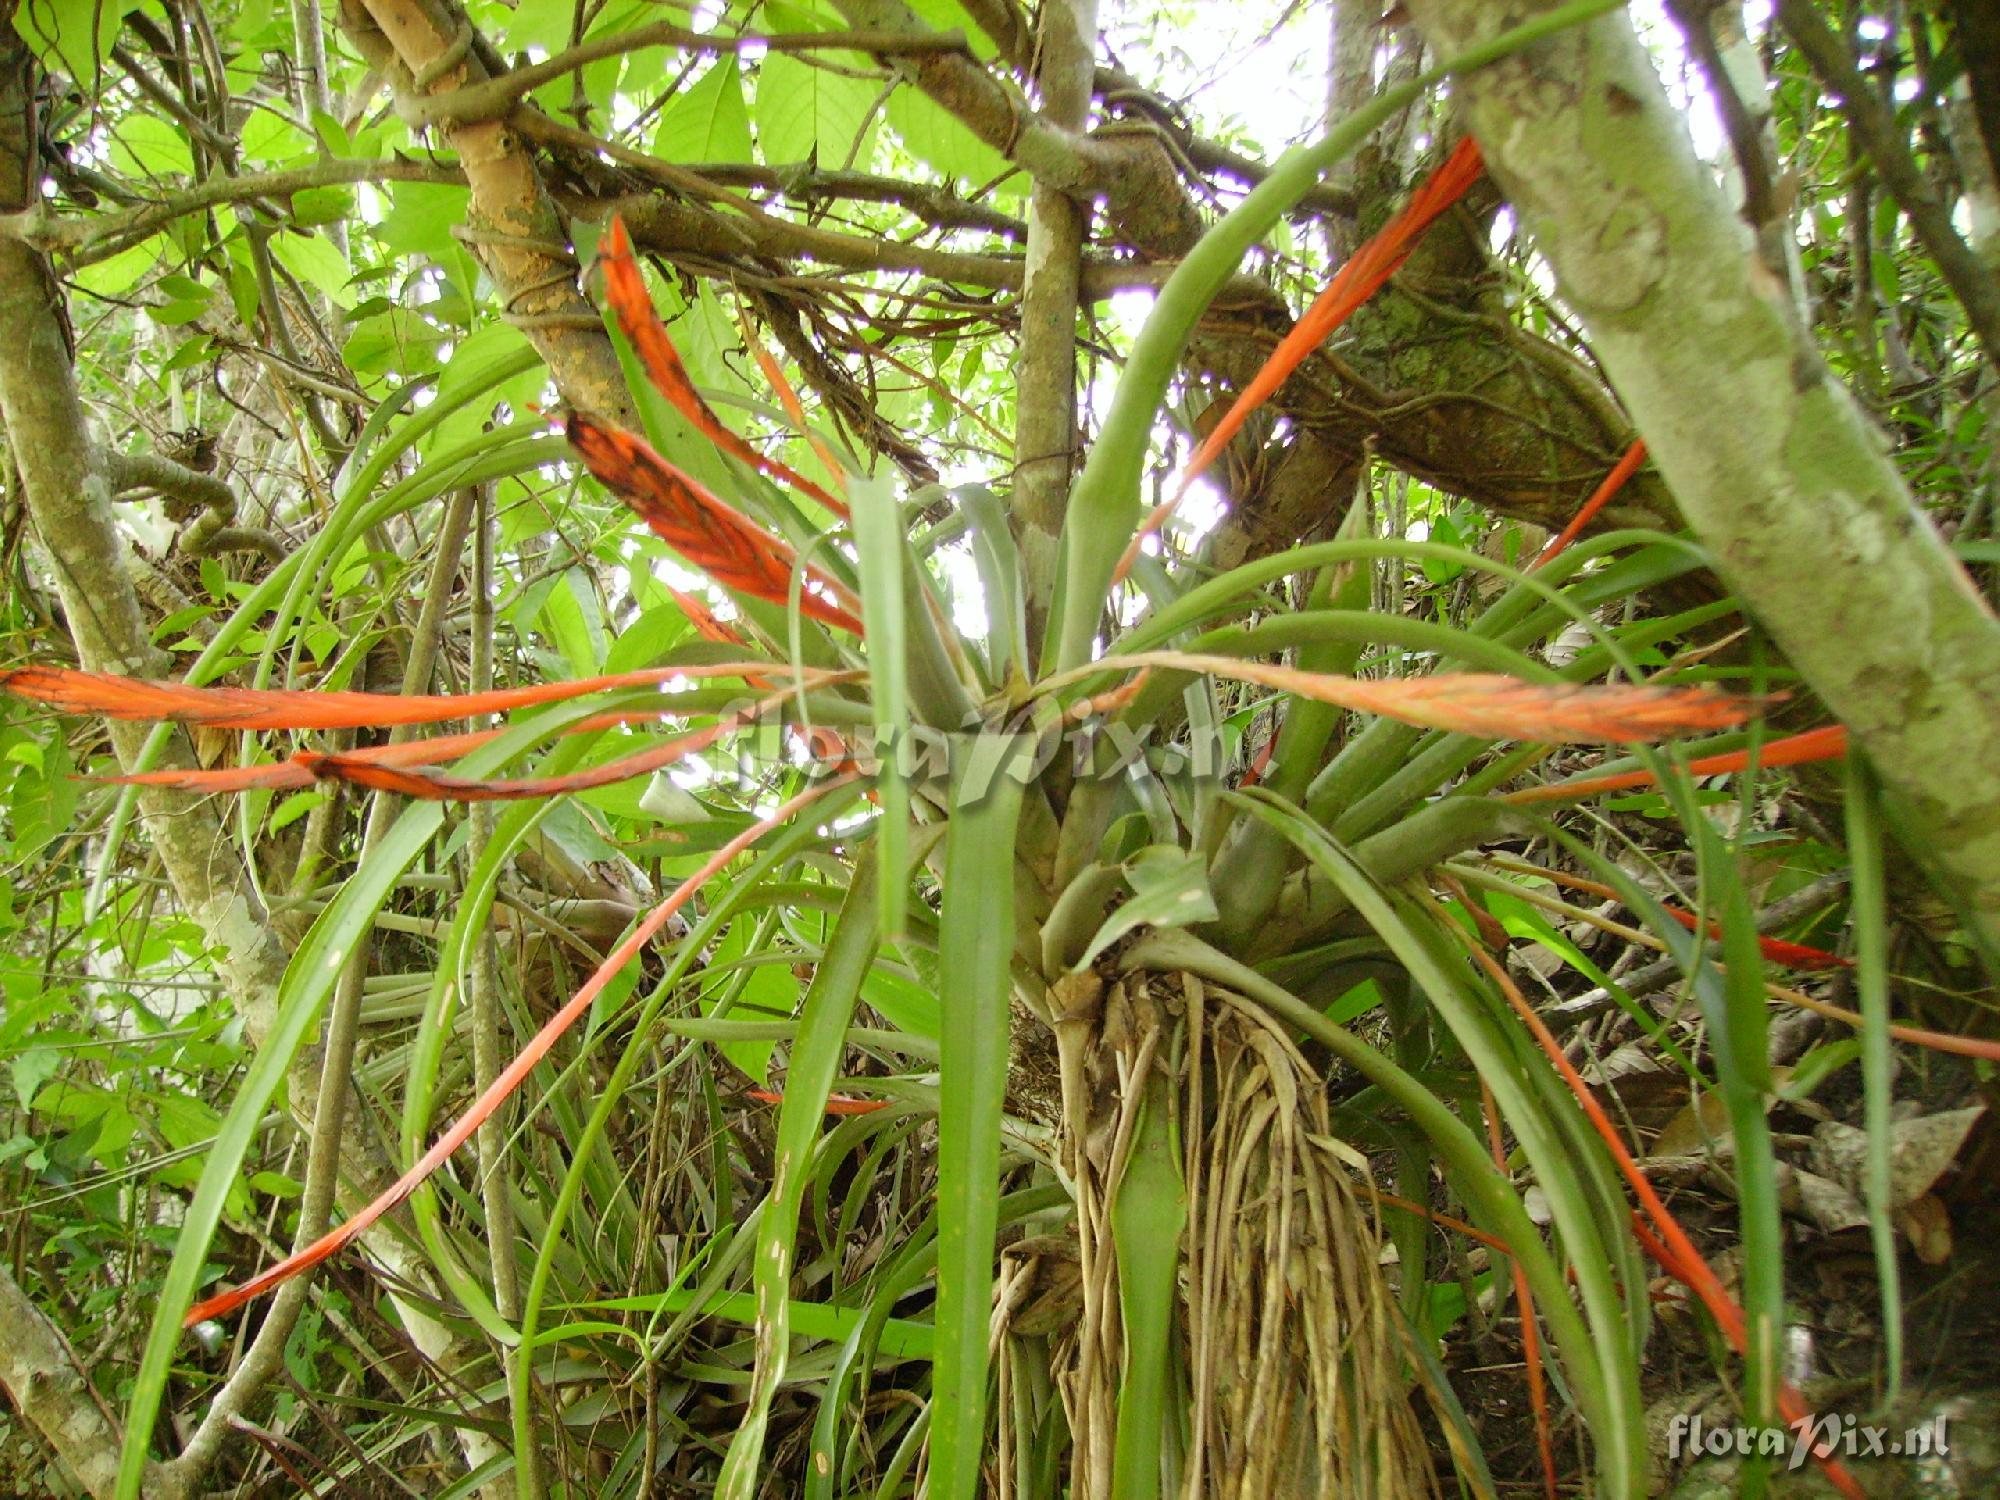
(759, 1296)
(707, 120)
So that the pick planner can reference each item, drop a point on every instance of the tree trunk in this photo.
(1774, 467)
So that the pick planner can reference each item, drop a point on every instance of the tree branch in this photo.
(1045, 399)
(1131, 170)
(153, 471)
(85, 239)
(673, 227)
(37, 1371)
(938, 207)
(1120, 91)
(1772, 463)
(513, 227)
(494, 97)
(1974, 283)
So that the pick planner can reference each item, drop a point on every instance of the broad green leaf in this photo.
(397, 340)
(150, 145)
(467, 392)
(1169, 889)
(647, 639)
(951, 15)
(121, 272)
(707, 122)
(571, 616)
(935, 137)
(71, 36)
(317, 262)
(269, 138)
(975, 951)
(809, 113)
(419, 217)
(908, 1006)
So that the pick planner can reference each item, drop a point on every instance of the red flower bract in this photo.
(734, 550)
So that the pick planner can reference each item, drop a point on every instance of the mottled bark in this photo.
(68, 492)
(1045, 438)
(513, 227)
(40, 1377)
(1130, 169)
(67, 483)
(1774, 466)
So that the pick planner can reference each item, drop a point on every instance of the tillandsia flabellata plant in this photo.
(1121, 991)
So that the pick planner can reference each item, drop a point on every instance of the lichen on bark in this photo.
(1775, 468)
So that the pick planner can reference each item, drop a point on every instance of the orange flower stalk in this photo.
(1481, 703)
(1829, 743)
(516, 1072)
(72, 692)
(625, 290)
(1353, 284)
(303, 768)
(836, 1104)
(715, 536)
(1625, 468)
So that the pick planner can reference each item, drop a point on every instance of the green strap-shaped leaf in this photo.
(878, 542)
(1148, 1214)
(307, 983)
(1871, 984)
(975, 945)
(815, 1061)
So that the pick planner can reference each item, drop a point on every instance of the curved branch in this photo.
(1971, 279)
(88, 239)
(1131, 170)
(1045, 441)
(1119, 90)
(676, 228)
(1772, 463)
(38, 1371)
(153, 471)
(491, 99)
(429, 47)
(938, 207)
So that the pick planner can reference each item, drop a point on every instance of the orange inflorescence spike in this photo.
(1487, 704)
(1777, 950)
(298, 770)
(715, 536)
(1829, 743)
(510, 1078)
(435, 786)
(625, 290)
(114, 697)
(1625, 468)
(788, 398)
(1353, 284)
(836, 1104)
